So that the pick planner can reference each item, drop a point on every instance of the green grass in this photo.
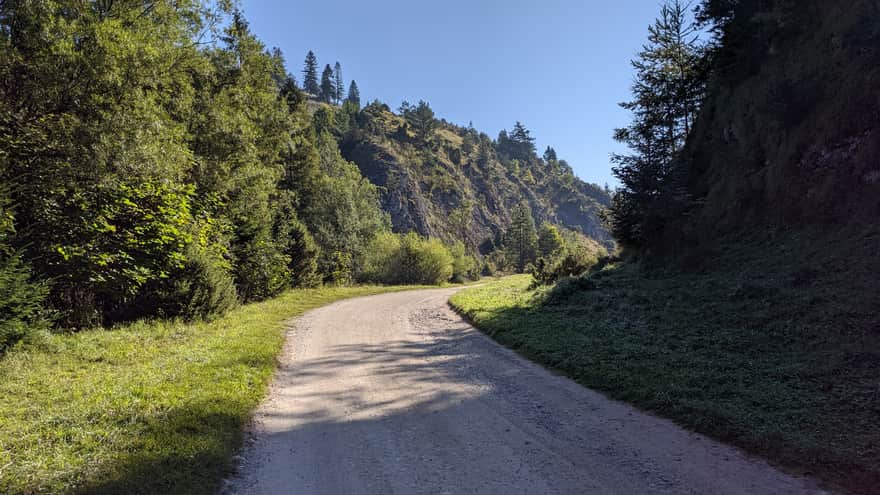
(774, 347)
(154, 407)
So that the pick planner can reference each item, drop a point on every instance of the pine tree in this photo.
(518, 144)
(522, 239)
(521, 135)
(354, 94)
(550, 155)
(310, 75)
(328, 89)
(338, 85)
(668, 89)
(420, 118)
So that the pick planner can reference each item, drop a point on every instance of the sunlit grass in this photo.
(153, 407)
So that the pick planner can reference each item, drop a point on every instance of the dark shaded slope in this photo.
(790, 132)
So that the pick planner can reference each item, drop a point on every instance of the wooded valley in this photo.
(167, 182)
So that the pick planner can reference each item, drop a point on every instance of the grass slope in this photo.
(149, 408)
(757, 350)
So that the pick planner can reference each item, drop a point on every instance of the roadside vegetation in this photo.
(150, 407)
(771, 346)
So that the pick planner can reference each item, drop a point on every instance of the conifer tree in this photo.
(420, 117)
(667, 92)
(354, 94)
(310, 75)
(521, 135)
(338, 85)
(328, 89)
(522, 239)
(518, 144)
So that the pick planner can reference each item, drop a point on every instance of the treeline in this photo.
(158, 160)
(331, 89)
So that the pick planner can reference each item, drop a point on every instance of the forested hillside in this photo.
(452, 182)
(159, 161)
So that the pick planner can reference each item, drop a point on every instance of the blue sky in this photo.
(559, 66)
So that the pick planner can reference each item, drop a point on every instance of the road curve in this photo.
(397, 394)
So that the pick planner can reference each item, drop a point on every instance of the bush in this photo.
(428, 261)
(382, 253)
(204, 290)
(464, 266)
(296, 242)
(22, 310)
(576, 258)
(261, 271)
(407, 259)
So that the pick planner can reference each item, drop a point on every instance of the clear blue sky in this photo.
(559, 66)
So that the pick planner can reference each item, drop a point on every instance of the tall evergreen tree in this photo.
(354, 94)
(420, 117)
(328, 89)
(338, 85)
(522, 238)
(667, 93)
(310, 75)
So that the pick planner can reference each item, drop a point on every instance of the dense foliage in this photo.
(407, 259)
(161, 161)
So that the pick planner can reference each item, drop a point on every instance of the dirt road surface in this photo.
(396, 394)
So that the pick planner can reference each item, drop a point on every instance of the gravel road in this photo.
(396, 394)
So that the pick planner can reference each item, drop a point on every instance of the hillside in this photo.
(455, 183)
(788, 136)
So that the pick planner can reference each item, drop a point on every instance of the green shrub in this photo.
(202, 289)
(382, 252)
(464, 266)
(578, 256)
(407, 259)
(261, 271)
(297, 243)
(207, 289)
(21, 302)
(428, 259)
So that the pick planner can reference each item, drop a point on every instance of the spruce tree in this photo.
(354, 94)
(524, 143)
(328, 89)
(310, 75)
(420, 118)
(522, 238)
(338, 86)
(667, 93)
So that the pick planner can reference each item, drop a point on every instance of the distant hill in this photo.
(453, 182)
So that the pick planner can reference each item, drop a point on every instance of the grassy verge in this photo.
(774, 348)
(149, 408)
